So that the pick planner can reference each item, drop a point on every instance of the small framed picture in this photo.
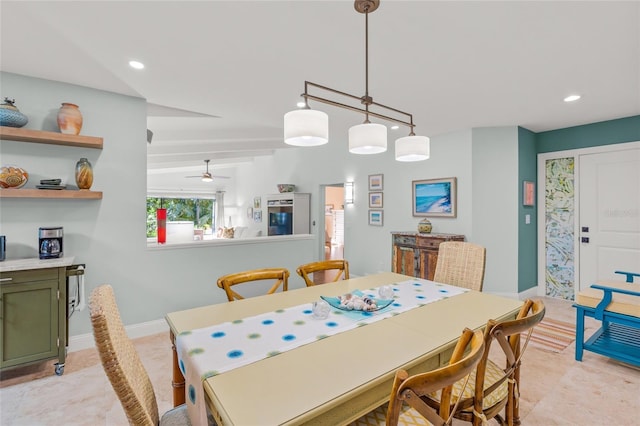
(257, 201)
(249, 212)
(375, 182)
(257, 216)
(529, 194)
(375, 217)
(375, 200)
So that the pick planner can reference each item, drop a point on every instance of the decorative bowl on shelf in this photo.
(286, 187)
(13, 177)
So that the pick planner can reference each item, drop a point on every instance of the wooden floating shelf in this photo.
(51, 193)
(51, 138)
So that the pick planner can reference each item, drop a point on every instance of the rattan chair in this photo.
(307, 271)
(460, 264)
(280, 275)
(123, 367)
(494, 388)
(410, 390)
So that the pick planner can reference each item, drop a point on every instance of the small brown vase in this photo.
(69, 119)
(84, 174)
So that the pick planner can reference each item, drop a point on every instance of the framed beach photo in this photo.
(434, 197)
(375, 217)
(375, 200)
(375, 182)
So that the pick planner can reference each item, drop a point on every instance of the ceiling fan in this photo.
(206, 176)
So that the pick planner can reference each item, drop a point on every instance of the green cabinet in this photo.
(33, 317)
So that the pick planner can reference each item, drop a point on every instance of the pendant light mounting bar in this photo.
(365, 100)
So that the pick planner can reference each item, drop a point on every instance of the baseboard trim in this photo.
(85, 341)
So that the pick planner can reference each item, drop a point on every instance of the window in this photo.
(200, 211)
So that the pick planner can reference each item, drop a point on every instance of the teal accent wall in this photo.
(594, 134)
(527, 233)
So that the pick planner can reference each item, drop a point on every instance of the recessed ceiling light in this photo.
(572, 98)
(137, 65)
(395, 127)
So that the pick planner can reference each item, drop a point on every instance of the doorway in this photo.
(334, 222)
(590, 227)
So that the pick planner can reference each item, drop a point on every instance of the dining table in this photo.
(337, 379)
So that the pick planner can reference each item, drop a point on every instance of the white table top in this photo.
(35, 263)
(328, 381)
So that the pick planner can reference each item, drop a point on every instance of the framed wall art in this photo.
(434, 197)
(375, 200)
(375, 217)
(257, 216)
(529, 194)
(375, 182)
(257, 201)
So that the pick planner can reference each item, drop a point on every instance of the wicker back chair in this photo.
(280, 275)
(494, 387)
(340, 266)
(461, 264)
(412, 389)
(123, 367)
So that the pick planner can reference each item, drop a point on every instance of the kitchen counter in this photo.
(34, 263)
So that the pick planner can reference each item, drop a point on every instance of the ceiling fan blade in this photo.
(220, 177)
(199, 176)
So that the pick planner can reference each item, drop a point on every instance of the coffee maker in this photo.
(50, 242)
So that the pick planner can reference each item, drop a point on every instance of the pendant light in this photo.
(307, 127)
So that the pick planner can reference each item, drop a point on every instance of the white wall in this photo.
(368, 248)
(495, 205)
(109, 235)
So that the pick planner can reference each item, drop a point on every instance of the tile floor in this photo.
(556, 390)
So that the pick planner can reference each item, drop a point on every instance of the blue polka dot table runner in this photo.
(210, 351)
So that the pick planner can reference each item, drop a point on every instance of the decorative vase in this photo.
(84, 174)
(424, 227)
(10, 115)
(69, 119)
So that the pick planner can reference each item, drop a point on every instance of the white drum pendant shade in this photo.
(368, 138)
(412, 148)
(306, 127)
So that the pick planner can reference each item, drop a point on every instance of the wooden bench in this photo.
(617, 305)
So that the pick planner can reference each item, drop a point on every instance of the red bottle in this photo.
(162, 225)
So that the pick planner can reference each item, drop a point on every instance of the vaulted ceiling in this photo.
(220, 75)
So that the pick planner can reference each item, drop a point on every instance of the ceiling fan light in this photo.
(306, 127)
(206, 177)
(368, 138)
(412, 148)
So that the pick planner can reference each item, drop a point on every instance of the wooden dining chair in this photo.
(494, 388)
(279, 275)
(461, 264)
(411, 390)
(308, 271)
(123, 367)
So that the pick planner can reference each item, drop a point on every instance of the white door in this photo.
(609, 215)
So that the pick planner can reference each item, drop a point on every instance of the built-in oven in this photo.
(280, 216)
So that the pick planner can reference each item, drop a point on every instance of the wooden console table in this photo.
(416, 254)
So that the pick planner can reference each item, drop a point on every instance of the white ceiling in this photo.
(220, 74)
